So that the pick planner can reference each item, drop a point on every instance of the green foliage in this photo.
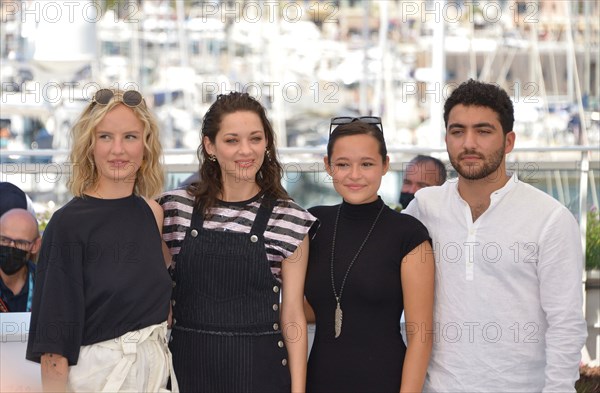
(592, 249)
(44, 215)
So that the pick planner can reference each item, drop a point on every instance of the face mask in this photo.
(405, 198)
(12, 259)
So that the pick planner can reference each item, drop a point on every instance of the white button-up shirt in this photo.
(508, 291)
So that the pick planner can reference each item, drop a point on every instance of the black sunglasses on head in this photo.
(337, 121)
(131, 98)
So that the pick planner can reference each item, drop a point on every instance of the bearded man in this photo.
(508, 297)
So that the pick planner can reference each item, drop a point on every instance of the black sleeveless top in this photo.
(369, 353)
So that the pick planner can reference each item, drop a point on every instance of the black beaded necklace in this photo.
(338, 299)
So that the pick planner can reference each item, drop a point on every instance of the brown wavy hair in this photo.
(84, 175)
(269, 175)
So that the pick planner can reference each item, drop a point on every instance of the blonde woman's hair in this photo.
(84, 174)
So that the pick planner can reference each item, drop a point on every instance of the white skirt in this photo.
(138, 361)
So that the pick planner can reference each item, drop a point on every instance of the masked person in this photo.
(422, 171)
(19, 240)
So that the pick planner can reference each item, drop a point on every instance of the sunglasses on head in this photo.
(131, 98)
(338, 121)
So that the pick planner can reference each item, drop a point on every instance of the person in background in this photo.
(19, 241)
(12, 197)
(100, 308)
(367, 263)
(5, 133)
(422, 171)
(240, 249)
(508, 306)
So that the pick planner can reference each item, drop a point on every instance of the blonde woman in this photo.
(102, 297)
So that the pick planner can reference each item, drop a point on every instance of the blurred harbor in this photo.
(307, 61)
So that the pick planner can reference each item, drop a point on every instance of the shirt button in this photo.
(275, 326)
(284, 362)
(173, 302)
(275, 307)
(275, 289)
(194, 233)
(280, 344)
(170, 338)
(253, 238)
(174, 321)
(174, 284)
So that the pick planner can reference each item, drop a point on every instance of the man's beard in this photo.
(480, 171)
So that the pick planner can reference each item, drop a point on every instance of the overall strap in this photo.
(197, 218)
(262, 216)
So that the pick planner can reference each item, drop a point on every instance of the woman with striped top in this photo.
(236, 239)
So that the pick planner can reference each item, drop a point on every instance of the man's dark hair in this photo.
(439, 166)
(11, 197)
(475, 93)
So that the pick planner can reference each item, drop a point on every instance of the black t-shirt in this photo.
(369, 353)
(100, 274)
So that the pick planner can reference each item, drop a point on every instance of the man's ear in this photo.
(510, 142)
(37, 244)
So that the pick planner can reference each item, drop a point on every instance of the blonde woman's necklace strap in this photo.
(338, 298)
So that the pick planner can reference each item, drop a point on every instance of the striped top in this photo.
(288, 225)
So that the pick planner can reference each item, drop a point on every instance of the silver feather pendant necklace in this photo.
(339, 315)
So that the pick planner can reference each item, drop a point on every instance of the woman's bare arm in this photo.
(55, 371)
(417, 277)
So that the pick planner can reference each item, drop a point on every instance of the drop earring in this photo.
(212, 157)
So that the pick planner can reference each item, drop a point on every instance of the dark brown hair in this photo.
(488, 95)
(269, 175)
(357, 128)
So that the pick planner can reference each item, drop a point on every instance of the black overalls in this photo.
(226, 332)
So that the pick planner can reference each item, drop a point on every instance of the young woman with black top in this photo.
(102, 290)
(367, 263)
(238, 243)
